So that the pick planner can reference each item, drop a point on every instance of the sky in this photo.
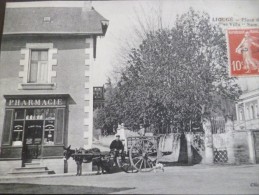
(122, 20)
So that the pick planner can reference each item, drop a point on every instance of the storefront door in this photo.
(32, 143)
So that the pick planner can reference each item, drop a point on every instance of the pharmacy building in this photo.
(46, 92)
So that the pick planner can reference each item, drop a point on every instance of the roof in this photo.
(58, 20)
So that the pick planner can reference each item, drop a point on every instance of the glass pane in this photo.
(34, 55)
(17, 138)
(39, 114)
(30, 133)
(49, 137)
(50, 114)
(18, 125)
(42, 72)
(17, 133)
(49, 125)
(38, 134)
(29, 114)
(19, 114)
(44, 55)
(33, 72)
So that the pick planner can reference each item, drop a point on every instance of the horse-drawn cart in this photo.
(139, 155)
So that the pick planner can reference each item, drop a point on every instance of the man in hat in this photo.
(116, 147)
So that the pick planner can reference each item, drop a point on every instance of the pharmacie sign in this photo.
(35, 102)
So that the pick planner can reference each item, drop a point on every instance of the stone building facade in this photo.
(46, 96)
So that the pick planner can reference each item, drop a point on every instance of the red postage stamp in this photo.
(243, 52)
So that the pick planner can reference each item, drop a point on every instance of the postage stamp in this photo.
(243, 51)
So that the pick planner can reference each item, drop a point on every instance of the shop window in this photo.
(38, 70)
(34, 114)
(19, 114)
(49, 127)
(18, 127)
(37, 123)
(50, 114)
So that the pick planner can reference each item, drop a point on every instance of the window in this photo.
(18, 126)
(247, 113)
(37, 123)
(252, 112)
(38, 70)
(49, 127)
(256, 111)
(241, 115)
(37, 63)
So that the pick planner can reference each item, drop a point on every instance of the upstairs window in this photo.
(256, 111)
(241, 115)
(252, 112)
(38, 70)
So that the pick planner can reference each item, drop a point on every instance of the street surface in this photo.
(198, 179)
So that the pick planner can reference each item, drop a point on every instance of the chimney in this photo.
(87, 5)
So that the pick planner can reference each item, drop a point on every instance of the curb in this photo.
(2, 178)
(224, 165)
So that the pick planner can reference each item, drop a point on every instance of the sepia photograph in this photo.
(129, 97)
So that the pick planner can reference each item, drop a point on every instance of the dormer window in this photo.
(46, 19)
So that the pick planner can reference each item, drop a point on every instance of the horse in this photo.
(94, 156)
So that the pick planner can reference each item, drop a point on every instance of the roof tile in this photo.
(62, 20)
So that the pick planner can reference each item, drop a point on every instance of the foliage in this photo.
(99, 118)
(174, 77)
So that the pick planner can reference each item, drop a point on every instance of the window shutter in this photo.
(7, 127)
(60, 126)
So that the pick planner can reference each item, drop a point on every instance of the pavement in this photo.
(198, 179)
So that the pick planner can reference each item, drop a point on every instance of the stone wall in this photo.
(198, 148)
(241, 149)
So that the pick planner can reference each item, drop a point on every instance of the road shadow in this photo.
(19, 188)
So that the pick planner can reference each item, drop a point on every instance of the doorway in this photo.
(32, 143)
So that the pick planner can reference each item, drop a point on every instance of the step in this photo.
(44, 172)
(28, 169)
(33, 164)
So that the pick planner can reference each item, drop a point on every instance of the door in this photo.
(32, 140)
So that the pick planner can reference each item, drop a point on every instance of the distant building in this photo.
(46, 63)
(247, 108)
(247, 123)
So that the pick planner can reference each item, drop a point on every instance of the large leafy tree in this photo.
(175, 76)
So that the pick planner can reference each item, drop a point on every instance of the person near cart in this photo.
(116, 147)
(142, 130)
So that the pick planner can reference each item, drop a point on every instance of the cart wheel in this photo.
(143, 155)
(125, 165)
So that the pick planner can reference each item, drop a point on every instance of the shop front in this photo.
(35, 127)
